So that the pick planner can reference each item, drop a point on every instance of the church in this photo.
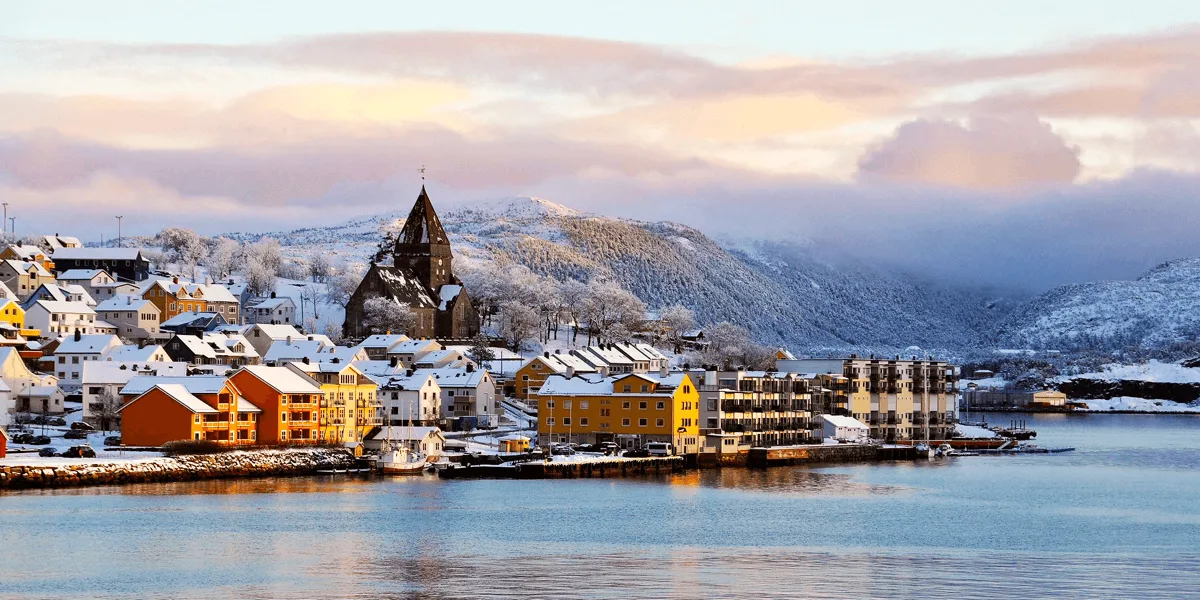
(420, 277)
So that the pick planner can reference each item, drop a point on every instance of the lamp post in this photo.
(12, 227)
(119, 217)
(5, 222)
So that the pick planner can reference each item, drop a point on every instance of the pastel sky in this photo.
(1027, 143)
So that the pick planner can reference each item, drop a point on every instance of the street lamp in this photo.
(119, 217)
(5, 222)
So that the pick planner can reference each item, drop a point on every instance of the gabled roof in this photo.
(381, 340)
(124, 302)
(583, 385)
(449, 377)
(413, 346)
(193, 319)
(56, 306)
(402, 381)
(87, 344)
(27, 252)
(179, 394)
(99, 372)
(279, 332)
(405, 288)
(840, 421)
(195, 384)
(80, 274)
(217, 293)
(132, 353)
(27, 266)
(270, 303)
(283, 379)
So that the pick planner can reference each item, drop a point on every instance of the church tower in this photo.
(423, 248)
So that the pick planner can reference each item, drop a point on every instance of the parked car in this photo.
(659, 449)
(23, 438)
(83, 451)
(47, 452)
(56, 421)
(76, 434)
(112, 440)
(40, 440)
(561, 450)
(609, 448)
(636, 453)
(82, 426)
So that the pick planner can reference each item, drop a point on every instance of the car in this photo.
(561, 450)
(39, 440)
(23, 438)
(47, 452)
(609, 447)
(112, 440)
(82, 426)
(83, 451)
(56, 421)
(636, 453)
(76, 434)
(659, 449)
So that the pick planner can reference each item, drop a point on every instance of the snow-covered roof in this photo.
(28, 266)
(181, 395)
(580, 385)
(132, 353)
(195, 384)
(217, 344)
(279, 332)
(270, 303)
(401, 380)
(381, 340)
(40, 391)
(414, 346)
(379, 368)
(97, 254)
(122, 372)
(87, 344)
(840, 421)
(56, 306)
(79, 274)
(217, 293)
(606, 355)
(27, 252)
(437, 356)
(283, 379)
(448, 377)
(188, 318)
(124, 302)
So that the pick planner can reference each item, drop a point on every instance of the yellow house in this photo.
(630, 409)
(1048, 399)
(173, 298)
(350, 408)
(12, 319)
(533, 373)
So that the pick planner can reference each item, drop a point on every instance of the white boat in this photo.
(397, 460)
(924, 450)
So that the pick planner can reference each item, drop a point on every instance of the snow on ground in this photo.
(987, 383)
(1150, 371)
(974, 431)
(1141, 405)
(95, 439)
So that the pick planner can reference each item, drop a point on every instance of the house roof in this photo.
(79, 274)
(87, 344)
(56, 306)
(97, 254)
(402, 381)
(449, 377)
(840, 421)
(124, 302)
(381, 340)
(279, 332)
(413, 346)
(192, 319)
(27, 266)
(447, 293)
(132, 353)
(217, 293)
(437, 356)
(591, 385)
(216, 344)
(405, 288)
(270, 303)
(195, 384)
(122, 372)
(179, 394)
(244, 405)
(283, 379)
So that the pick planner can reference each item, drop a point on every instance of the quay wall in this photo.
(258, 463)
(799, 455)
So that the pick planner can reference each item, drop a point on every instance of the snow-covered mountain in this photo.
(1157, 310)
(784, 293)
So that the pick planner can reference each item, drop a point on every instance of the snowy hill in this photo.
(1159, 309)
(782, 292)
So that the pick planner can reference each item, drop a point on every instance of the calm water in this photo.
(1119, 518)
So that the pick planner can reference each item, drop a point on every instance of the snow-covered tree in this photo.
(481, 351)
(106, 409)
(677, 320)
(342, 285)
(730, 346)
(383, 315)
(260, 278)
(319, 266)
(573, 292)
(223, 258)
(266, 252)
(483, 281)
(518, 323)
(184, 247)
(608, 304)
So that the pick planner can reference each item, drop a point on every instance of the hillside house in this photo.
(270, 311)
(54, 318)
(23, 277)
(124, 264)
(134, 317)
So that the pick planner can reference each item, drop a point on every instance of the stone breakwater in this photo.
(258, 463)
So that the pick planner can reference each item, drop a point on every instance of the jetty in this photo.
(615, 466)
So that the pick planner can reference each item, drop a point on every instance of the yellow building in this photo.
(1048, 399)
(12, 320)
(630, 409)
(173, 298)
(350, 407)
(533, 374)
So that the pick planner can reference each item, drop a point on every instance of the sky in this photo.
(1021, 144)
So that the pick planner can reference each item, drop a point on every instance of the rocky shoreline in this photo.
(257, 463)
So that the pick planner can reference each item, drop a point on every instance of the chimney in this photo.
(558, 350)
(129, 300)
(175, 280)
(664, 371)
(272, 294)
(335, 360)
(570, 372)
(289, 340)
(546, 354)
(310, 338)
(408, 372)
(470, 367)
(393, 361)
(305, 360)
(78, 336)
(142, 343)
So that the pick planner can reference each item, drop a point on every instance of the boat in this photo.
(398, 460)
(944, 450)
(924, 451)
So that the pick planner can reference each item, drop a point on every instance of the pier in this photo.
(568, 469)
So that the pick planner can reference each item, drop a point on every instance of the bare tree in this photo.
(518, 323)
(223, 259)
(730, 346)
(260, 278)
(106, 410)
(319, 266)
(383, 315)
(606, 305)
(183, 246)
(677, 320)
(266, 252)
(311, 295)
(573, 293)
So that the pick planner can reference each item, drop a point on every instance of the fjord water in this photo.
(1117, 518)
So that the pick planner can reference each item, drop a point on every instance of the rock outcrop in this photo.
(255, 463)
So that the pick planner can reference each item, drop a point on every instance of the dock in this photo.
(568, 469)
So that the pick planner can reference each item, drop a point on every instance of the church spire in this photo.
(423, 248)
(423, 225)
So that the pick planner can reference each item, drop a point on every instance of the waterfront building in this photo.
(901, 400)
(158, 410)
(350, 406)
(102, 382)
(409, 398)
(290, 402)
(765, 408)
(629, 409)
(429, 441)
(466, 392)
(844, 428)
(533, 373)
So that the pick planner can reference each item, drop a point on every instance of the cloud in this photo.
(985, 153)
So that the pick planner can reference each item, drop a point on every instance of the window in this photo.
(62, 360)
(566, 421)
(625, 405)
(74, 360)
(643, 404)
(567, 404)
(283, 417)
(660, 405)
(549, 404)
(624, 422)
(583, 422)
(583, 404)
(627, 389)
(658, 423)
(645, 388)
(550, 421)
(641, 422)
(524, 378)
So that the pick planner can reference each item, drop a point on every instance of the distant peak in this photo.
(518, 207)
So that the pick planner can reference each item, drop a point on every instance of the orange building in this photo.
(158, 410)
(290, 402)
(173, 298)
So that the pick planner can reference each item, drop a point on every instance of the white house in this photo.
(409, 350)
(56, 318)
(101, 377)
(60, 292)
(40, 399)
(15, 373)
(844, 428)
(97, 282)
(23, 277)
(133, 353)
(270, 311)
(73, 352)
(409, 398)
(378, 345)
(134, 317)
(467, 392)
(262, 335)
